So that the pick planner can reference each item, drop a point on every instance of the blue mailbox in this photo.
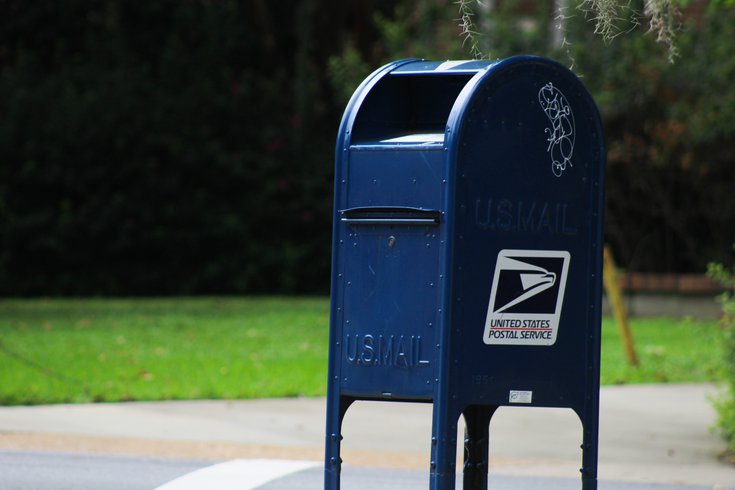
(467, 252)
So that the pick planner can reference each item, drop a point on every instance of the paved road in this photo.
(363, 479)
(23, 470)
(75, 471)
(657, 434)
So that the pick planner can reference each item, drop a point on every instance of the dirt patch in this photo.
(198, 450)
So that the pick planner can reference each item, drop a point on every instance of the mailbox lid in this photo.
(406, 104)
(394, 178)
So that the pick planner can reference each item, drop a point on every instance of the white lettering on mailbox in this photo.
(526, 297)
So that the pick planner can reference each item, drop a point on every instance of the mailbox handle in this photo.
(397, 215)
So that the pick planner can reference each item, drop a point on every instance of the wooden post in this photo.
(612, 288)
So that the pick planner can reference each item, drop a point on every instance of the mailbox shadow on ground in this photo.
(467, 251)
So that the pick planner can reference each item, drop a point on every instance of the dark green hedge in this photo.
(186, 147)
(164, 147)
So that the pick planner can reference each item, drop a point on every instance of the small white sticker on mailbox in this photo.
(519, 396)
(526, 297)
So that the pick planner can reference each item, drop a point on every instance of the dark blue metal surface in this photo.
(467, 251)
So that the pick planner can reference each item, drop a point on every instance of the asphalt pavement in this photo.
(650, 435)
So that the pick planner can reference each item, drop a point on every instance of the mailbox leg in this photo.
(589, 457)
(477, 422)
(590, 417)
(443, 448)
(336, 410)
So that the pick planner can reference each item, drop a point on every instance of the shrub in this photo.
(163, 147)
(725, 406)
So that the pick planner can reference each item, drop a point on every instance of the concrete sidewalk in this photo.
(648, 433)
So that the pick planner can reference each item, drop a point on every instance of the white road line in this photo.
(240, 474)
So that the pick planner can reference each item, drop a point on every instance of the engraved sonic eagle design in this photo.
(561, 133)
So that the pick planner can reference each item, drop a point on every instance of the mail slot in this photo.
(467, 248)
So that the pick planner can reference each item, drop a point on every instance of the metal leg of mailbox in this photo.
(477, 422)
(333, 462)
(589, 451)
(443, 448)
(443, 474)
(589, 465)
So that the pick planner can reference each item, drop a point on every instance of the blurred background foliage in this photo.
(186, 147)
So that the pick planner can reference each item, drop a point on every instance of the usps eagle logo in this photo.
(526, 297)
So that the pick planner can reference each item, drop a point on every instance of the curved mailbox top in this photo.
(418, 102)
(441, 67)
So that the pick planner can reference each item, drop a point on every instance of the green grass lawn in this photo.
(670, 351)
(145, 349)
(54, 351)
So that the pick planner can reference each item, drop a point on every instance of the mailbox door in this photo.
(390, 283)
(389, 248)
